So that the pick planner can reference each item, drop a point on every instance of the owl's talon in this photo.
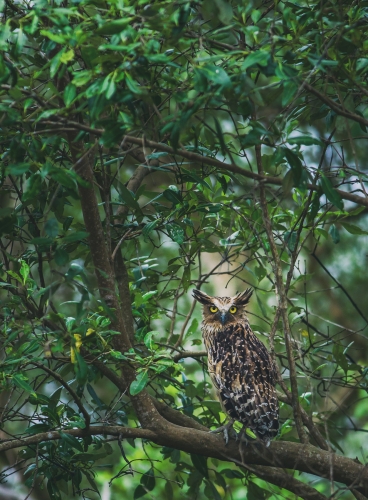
(244, 438)
(225, 429)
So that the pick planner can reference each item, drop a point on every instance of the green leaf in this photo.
(54, 66)
(67, 56)
(186, 277)
(148, 339)
(24, 271)
(71, 441)
(352, 229)
(331, 194)
(173, 194)
(290, 238)
(305, 140)
(41, 241)
(338, 353)
(37, 428)
(289, 90)
(139, 492)
(132, 85)
(139, 383)
(82, 77)
(217, 75)
(225, 11)
(70, 93)
(81, 369)
(61, 257)
(67, 222)
(146, 296)
(211, 491)
(176, 233)
(52, 228)
(255, 492)
(148, 480)
(295, 164)
(260, 57)
(95, 398)
(21, 382)
(78, 236)
(169, 491)
(150, 227)
(53, 36)
(15, 276)
(193, 327)
(17, 168)
(200, 463)
(334, 232)
(115, 26)
(128, 199)
(232, 474)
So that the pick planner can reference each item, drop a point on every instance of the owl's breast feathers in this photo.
(244, 375)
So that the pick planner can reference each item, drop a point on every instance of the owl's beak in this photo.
(224, 317)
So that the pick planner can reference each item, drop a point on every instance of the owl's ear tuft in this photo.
(202, 297)
(242, 298)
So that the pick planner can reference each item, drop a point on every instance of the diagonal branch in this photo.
(66, 386)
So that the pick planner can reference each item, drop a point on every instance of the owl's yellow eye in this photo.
(233, 309)
(213, 309)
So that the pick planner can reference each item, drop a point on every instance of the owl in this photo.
(240, 367)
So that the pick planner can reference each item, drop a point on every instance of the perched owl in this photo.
(240, 367)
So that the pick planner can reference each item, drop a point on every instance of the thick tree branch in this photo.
(146, 412)
(121, 272)
(305, 458)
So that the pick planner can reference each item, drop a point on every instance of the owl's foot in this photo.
(244, 438)
(228, 430)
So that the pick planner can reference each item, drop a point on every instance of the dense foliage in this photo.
(148, 148)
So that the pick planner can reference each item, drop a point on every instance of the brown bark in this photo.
(280, 454)
(146, 412)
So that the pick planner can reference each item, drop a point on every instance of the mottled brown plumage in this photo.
(240, 367)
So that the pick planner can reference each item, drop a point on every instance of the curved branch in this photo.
(339, 110)
(295, 456)
(213, 162)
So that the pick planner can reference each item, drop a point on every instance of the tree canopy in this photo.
(153, 147)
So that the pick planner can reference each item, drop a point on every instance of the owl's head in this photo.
(222, 311)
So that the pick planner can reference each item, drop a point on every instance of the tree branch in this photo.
(305, 458)
(334, 106)
(213, 162)
(145, 410)
(280, 288)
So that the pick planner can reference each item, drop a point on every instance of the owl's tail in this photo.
(267, 431)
